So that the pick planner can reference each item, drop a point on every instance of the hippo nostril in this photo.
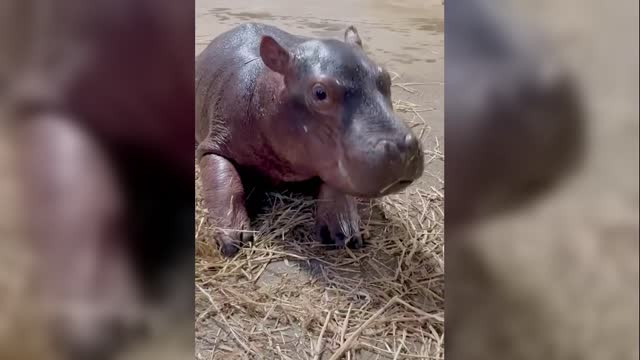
(386, 147)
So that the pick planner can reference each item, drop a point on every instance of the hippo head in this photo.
(340, 116)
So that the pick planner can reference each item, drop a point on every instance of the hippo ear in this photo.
(351, 37)
(273, 55)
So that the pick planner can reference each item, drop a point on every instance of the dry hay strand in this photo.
(288, 297)
(407, 86)
(407, 107)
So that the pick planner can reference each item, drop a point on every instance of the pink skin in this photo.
(264, 114)
(76, 217)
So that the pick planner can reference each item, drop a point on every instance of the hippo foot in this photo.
(337, 219)
(230, 242)
(334, 234)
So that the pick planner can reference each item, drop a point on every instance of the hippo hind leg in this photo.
(337, 219)
(224, 199)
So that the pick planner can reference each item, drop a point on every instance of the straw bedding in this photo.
(286, 296)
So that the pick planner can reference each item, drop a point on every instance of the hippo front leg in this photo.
(337, 219)
(224, 199)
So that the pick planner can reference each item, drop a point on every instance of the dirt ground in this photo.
(288, 298)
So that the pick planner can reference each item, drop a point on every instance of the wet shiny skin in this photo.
(257, 108)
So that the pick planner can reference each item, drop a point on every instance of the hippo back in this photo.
(226, 75)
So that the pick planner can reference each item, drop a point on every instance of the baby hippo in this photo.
(290, 109)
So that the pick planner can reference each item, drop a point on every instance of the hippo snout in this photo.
(376, 165)
(401, 162)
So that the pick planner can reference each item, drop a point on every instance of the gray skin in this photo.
(290, 109)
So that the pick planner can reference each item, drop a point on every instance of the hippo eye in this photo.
(319, 92)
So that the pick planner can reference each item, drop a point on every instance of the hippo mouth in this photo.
(368, 182)
(396, 186)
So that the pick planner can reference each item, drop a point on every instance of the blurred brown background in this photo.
(558, 279)
(119, 75)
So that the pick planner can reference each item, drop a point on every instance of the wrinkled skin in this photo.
(291, 109)
(103, 106)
